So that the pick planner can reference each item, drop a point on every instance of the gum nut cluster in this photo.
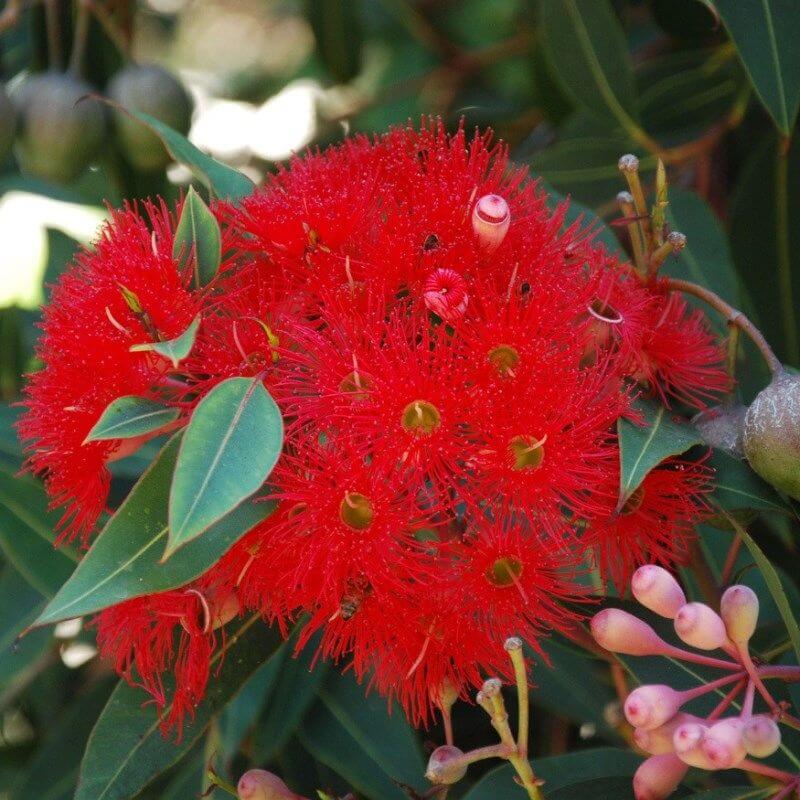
(674, 738)
(450, 358)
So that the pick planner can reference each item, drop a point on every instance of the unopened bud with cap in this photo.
(445, 766)
(761, 736)
(688, 740)
(651, 706)
(620, 632)
(657, 589)
(491, 219)
(658, 777)
(258, 784)
(700, 626)
(739, 610)
(723, 743)
(661, 740)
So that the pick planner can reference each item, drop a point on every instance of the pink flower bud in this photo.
(657, 590)
(723, 743)
(661, 740)
(651, 706)
(739, 610)
(688, 740)
(620, 632)
(445, 293)
(658, 777)
(258, 784)
(490, 220)
(761, 736)
(443, 766)
(700, 626)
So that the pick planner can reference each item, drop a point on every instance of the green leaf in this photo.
(220, 179)
(734, 793)
(174, 349)
(766, 33)
(387, 738)
(773, 582)
(131, 416)
(198, 238)
(737, 487)
(124, 561)
(126, 749)
(643, 447)
(293, 694)
(53, 771)
(562, 773)
(587, 49)
(231, 445)
(27, 535)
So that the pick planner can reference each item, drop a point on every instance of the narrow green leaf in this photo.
(231, 445)
(220, 179)
(561, 772)
(27, 535)
(737, 487)
(198, 238)
(131, 416)
(126, 749)
(586, 46)
(124, 561)
(773, 582)
(643, 447)
(174, 349)
(734, 793)
(766, 33)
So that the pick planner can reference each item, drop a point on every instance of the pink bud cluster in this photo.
(675, 739)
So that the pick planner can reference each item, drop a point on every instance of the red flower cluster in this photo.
(450, 360)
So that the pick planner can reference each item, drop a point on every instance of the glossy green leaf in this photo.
(198, 239)
(643, 447)
(124, 561)
(126, 749)
(773, 582)
(386, 738)
(27, 534)
(734, 793)
(293, 694)
(231, 445)
(737, 487)
(765, 236)
(52, 773)
(220, 179)
(131, 416)
(766, 33)
(586, 46)
(174, 349)
(560, 773)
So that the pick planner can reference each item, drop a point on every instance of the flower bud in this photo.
(771, 435)
(656, 589)
(651, 706)
(620, 632)
(661, 740)
(258, 784)
(739, 610)
(443, 766)
(688, 740)
(491, 218)
(445, 293)
(761, 736)
(723, 743)
(658, 777)
(700, 626)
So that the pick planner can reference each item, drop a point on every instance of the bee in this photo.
(351, 601)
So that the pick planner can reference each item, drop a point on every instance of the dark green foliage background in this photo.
(713, 87)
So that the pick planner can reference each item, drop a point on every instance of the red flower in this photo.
(88, 329)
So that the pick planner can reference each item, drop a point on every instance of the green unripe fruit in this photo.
(148, 88)
(771, 436)
(57, 139)
(8, 124)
